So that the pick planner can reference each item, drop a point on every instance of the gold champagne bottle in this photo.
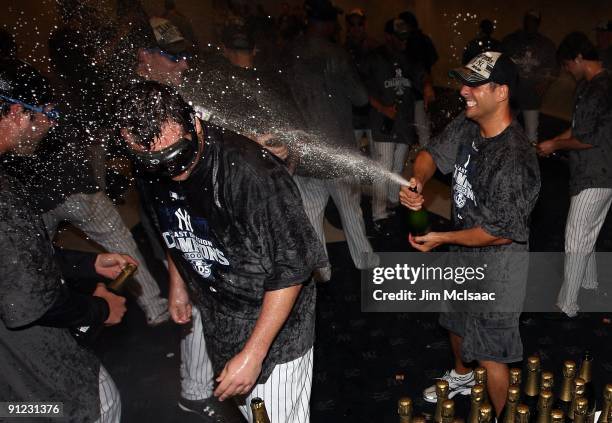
(515, 376)
(448, 411)
(442, 395)
(580, 413)
(545, 403)
(557, 416)
(569, 373)
(522, 414)
(477, 397)
(404, 410)
(607, 407)
(548, 381)
(532, 388)
(485, 413)
(480, 378)
(577, 393)
(419, 419)
(258, 407)
(509, 413)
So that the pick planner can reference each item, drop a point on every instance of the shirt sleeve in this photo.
(293, 249)
(506, 206)
(592, 120)
(444, 147)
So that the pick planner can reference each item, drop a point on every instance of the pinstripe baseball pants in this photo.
(346, 195)
(286, 393)
(196, 368)
(96, 215)
(391, 156)
(586, 216)
(110, 401)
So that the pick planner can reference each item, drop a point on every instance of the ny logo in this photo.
(184, 220)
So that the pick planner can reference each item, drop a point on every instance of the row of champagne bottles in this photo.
(575, 402)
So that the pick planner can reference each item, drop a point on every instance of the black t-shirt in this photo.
(237, 229)
(37, 363)
(496, 180)
(592, 124)
(392, 79)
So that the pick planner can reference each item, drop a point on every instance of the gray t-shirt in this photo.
(592, 124)
(37, 363)
(496, 180)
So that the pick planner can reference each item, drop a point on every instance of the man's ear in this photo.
(503, 93)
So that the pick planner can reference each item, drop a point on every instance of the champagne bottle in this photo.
(419, 419)
(545, 403)
(577, 393)
(509, 413)
(548, 381)
(418, 221)
(557, 416)
(607, 408)
(515, 376)
(477, 397)
(86, 335)
(448, 411)
(442, 395)
(480, 378)
(585, 372)
(580, 413)
(522, 414)
(485, 413)
(565, 395)
(532, 385)
(258, 407)
(404, 410)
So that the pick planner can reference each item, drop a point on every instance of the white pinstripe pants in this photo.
(96, 215)
(196, 368)
(391, 156)
(110, 401)
(586, 216)
(286, 393)
(346, 195)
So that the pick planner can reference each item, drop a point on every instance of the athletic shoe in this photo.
(457, 384)
(209, 409)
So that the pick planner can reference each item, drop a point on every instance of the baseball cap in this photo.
(237, 36)
(397, 27)
(169, 38)
(490, 66)
(21, 84)
(356, 12)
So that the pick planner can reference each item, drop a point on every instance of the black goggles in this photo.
(51, 114)
(171, 161)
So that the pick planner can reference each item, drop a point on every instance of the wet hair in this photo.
(487, 27)
(144, 107)
(574, 44)
(410, 19)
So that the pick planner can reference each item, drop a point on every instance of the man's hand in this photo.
(110, 265)
(546, 148)
(179, 304)
(429, 95)
(409, 198)
(389, 111)
(116, 304)
(426, 242)
(238, 376)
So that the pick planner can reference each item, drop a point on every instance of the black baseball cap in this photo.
(397, 27)
(237, 36)
(169, 37)
(490, 66)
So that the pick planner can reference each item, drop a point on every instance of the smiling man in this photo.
(495, 186)
(240, 248)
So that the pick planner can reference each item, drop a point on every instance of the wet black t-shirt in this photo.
(496, 180)
(237, 229)
(592, 124)
(37, 363)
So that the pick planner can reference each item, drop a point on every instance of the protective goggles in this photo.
(51, 114)
(173, 57)
(171, 161)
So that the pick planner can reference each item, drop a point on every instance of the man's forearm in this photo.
(473, 237)
(571, 143)
(277, 306)
(424, 167)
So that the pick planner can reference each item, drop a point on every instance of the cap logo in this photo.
(483, 64)
(165, 31)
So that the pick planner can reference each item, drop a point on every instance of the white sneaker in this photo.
(457, 384)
